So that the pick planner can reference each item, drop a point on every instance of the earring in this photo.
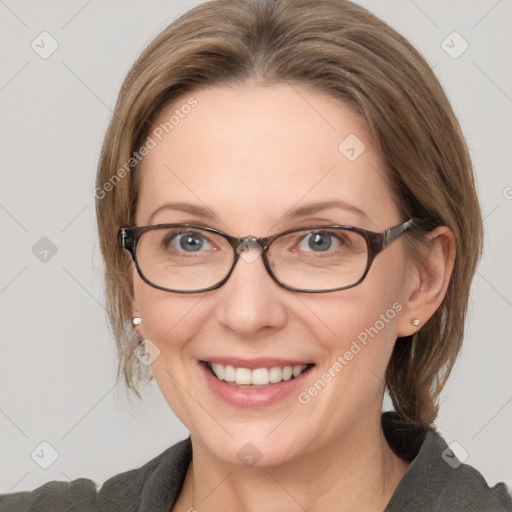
(136, 321)
(415, 322)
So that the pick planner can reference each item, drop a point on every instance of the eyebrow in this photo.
(184, 207)
(294, 213)
(316, 207)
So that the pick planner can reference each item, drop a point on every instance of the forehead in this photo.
(251, 153)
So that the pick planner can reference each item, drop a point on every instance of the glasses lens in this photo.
(319, 259)
(183, 258)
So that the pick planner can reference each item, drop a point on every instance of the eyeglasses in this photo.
(186, 258)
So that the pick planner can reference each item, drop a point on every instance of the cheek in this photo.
(166, 317)
(375, 336)
(169, 321)
(355, 351)
(359, 325)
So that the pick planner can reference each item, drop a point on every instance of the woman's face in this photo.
(251, 156)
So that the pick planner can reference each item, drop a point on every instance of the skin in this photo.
(250, 154)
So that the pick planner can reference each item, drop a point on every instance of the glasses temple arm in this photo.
(392, 234)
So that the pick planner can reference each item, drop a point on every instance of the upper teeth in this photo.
(259, 376)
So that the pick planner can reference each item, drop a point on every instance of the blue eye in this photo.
(189, 241)
(319, 241)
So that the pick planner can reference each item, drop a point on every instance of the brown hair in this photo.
(342, 49)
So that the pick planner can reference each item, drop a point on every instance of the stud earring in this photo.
(136, 321)
(415, 322)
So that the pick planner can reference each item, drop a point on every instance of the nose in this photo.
(251, 303)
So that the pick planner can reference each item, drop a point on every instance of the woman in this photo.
(289, 223)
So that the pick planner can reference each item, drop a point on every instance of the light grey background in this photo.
(57, 354)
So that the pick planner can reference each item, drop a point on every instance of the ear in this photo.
(428, 281)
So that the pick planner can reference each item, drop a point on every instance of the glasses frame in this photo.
(376, 242)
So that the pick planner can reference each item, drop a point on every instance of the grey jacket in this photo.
(434, 482)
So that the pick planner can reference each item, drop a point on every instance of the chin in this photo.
(252, 447)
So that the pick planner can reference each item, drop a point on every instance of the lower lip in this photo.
(252, 398)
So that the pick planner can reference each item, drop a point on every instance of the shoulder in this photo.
(53, 496)
(153, 486)
(436, 480)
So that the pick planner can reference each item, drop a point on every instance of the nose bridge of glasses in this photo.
(249, 248)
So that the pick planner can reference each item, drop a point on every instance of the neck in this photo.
(355, 472)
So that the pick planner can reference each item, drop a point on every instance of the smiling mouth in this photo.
(259, 377)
